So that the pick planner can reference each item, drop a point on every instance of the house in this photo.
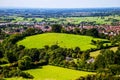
(69, 59)
(90, 60)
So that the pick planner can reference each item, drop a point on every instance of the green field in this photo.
(61, 39)
(72, 20)
(96, 53)
(98, 20)
(54, 73)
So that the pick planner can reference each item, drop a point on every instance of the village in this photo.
(19, 27)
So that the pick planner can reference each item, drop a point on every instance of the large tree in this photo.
(24, 63)
(56, 28)
(92, 32)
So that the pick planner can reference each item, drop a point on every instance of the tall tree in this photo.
(56, 28)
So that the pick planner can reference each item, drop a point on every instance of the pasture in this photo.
(56, 73)
(53, 73)
(61, 39)
(96, 53)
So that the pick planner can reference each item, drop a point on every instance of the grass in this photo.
(15, 78)
(54, 73)
(4, 65)
(61, 39)
(96, 53)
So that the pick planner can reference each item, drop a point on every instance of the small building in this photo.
(91, 60)
(69, 59)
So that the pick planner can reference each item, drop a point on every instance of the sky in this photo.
(58, 3)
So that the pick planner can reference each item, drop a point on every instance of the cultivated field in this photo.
(63, 40)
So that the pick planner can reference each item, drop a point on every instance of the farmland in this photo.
(55, 73)
(73, 20)
(77, 20)
(96, 53)
(63, 40)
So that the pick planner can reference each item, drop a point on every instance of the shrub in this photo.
(3, 61)
(8, 72)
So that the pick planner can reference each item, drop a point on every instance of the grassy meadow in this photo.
(56, 73)
(96, 53)
(53, 73)
(61, 39)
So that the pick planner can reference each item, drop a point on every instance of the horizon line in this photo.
(54, 8)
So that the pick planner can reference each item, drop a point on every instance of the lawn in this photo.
(96, 53)
(61, 39)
